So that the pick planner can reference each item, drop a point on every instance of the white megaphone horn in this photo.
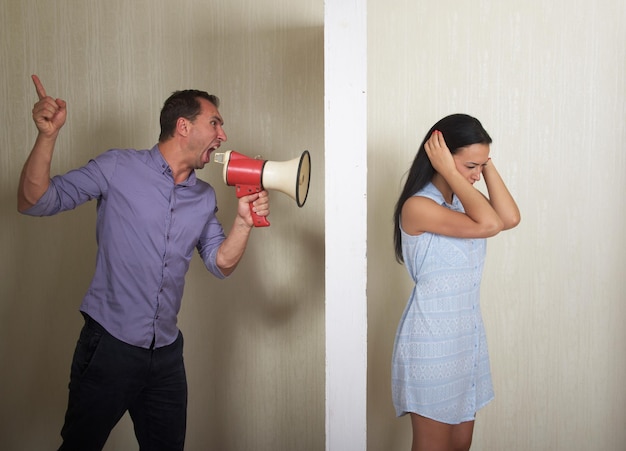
(252, 175)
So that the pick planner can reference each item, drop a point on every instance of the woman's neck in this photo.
(443, 187)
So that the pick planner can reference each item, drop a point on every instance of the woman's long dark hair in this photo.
(459, 130)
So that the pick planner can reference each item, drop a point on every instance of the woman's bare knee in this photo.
(462, 436)
(432, 435)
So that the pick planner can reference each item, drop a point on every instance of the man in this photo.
(152, 212)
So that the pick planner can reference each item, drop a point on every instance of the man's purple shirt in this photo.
(147, 229)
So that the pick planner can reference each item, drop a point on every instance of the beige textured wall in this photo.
(254, 343)
(548, 80)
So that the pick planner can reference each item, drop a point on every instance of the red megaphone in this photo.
(253, 175)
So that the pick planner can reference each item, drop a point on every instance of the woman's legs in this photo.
(431, 435)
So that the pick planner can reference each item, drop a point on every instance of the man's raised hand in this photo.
(49, 114)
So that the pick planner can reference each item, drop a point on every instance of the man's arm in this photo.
(49, 116)
(233, 247)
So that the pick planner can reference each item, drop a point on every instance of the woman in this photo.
(440, 372)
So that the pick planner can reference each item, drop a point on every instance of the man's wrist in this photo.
(240, 222)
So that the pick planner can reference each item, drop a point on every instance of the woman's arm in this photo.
(500, 198)
(421, 214)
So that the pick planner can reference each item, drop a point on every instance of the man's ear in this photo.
(182, 126)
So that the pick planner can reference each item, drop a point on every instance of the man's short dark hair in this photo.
(182, 104)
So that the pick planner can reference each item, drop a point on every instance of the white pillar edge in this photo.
(345, 107)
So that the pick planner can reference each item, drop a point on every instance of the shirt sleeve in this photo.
(76, 187)
(210, 240)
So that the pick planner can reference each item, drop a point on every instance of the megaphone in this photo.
(252, 175)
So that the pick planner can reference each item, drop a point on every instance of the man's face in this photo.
(206, 133)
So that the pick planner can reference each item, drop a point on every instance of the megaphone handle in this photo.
(259, 221)
(244, 190)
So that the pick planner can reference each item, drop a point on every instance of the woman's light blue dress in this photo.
(440, 366)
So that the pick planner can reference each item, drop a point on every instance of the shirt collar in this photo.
(162, 166)
(456, 203)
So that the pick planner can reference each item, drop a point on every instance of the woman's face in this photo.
(471, 160)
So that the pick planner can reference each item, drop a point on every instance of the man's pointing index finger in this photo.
(41, 92)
